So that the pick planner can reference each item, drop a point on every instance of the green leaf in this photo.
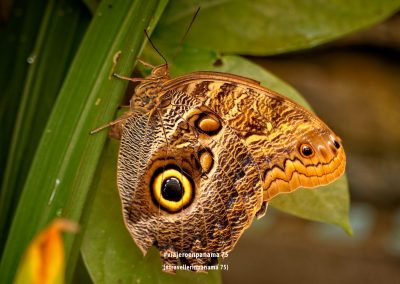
(264, 27)
(329, 204)
(17, 41)
(64, 165)
(109, 251)
(56, 42)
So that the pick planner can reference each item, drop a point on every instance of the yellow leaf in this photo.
(43, 261)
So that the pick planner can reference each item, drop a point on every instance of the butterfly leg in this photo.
(145, 64)
(115, 126)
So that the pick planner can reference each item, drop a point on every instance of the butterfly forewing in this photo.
(273, 128)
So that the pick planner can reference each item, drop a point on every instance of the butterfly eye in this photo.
(172, 190)
(306, 150)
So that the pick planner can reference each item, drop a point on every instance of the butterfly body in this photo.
(203, 153)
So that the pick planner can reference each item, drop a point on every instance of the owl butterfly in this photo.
(203, 153)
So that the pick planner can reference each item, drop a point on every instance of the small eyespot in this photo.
(336, 144)
(306, 150)
(208, 124)
(171, 189)
(206, 160)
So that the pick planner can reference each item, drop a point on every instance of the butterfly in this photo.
(202, 154)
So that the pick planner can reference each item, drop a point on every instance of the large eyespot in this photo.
(172, 189)
(306, 150)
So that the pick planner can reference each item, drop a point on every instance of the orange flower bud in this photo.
(44, 261)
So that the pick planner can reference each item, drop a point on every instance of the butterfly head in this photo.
(160, 71)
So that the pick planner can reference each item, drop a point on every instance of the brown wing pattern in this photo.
(201, 153)
(225, 196)
(292, 147)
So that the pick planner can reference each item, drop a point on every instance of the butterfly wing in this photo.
(292, 147)
(183, 145)
(200, 157)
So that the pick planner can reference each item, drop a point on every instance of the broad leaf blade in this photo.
(329, 204)
(264, 27)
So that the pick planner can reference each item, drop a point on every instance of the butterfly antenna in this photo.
(186, 33)
(154, 47)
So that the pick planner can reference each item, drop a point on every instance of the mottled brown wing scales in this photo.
(226, 199)
(240, 197)
(132, 162)
(202, 154)
(236, 201)
(273, 128)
